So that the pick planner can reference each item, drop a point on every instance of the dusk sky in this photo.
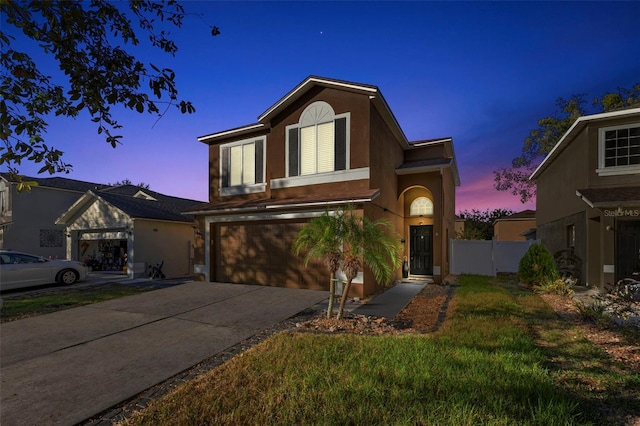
(482, 73)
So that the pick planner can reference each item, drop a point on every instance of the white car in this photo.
(19, 270)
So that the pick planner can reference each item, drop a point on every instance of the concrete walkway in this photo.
(65, 367)
(392, 301)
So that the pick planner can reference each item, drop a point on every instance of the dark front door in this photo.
(421, 240)
(628, 249)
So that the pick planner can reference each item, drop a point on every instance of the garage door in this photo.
(260, 253)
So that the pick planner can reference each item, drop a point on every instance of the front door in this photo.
(628, 249)
(421, 250)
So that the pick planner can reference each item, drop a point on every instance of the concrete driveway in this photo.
(65, 367)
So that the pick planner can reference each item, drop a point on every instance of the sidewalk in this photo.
(392, 301)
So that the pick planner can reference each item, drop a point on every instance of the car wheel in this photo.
(68, 276)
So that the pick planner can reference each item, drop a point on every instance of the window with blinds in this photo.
(318, 143)
(242, 163)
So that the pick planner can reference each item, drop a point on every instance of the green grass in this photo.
(501, 358)
(18, 307)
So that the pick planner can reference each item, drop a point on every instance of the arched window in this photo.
(421, 206)
(318, 143)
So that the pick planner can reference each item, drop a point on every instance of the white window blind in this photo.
(248, 163)
(307, 150)
(326, 147)
(236, 165)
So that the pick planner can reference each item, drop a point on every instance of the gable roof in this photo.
(307, 84)
(161, 207)
(576, 128)
(141, 208)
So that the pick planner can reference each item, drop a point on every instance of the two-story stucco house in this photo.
(326, 143)
(27, 218)
(589, 196)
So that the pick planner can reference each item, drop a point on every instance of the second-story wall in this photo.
(33, 227)
(560, 181)
(357, 109)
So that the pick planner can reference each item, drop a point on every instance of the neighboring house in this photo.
(128, 228)
(588, 196)
(325, 144)
(514, 227)
(27, 218)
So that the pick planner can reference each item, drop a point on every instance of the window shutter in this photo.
(224, 160)
(341, 143)
(293, 152)
(259, 161)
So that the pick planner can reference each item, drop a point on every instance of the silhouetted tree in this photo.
(478, 225)
(86, 39)
(542, 139)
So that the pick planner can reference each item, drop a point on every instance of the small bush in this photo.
(537, 265)
(561, 286)
(595, 311)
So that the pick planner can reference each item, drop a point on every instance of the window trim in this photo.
(299, 125)
(244, 188)
(603, 170)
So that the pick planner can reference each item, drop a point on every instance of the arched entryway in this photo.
(419, 230)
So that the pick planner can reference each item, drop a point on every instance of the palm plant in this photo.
(322, 238)
(367, 243)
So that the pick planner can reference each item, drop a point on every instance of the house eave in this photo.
(65, 217)
(575, 128)
(305, 85)
(238, 131)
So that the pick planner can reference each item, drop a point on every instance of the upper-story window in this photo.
(4, 201)
(242, 166)
(421, 206)
(619, 150)
(319, 142)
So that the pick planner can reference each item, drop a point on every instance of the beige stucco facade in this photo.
(513, 227)
(99, 231)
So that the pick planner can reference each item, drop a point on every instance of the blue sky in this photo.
(480, 72)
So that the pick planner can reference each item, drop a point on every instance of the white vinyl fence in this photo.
(486, 257)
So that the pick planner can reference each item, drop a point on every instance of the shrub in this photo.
(561, 286)
(537, 265)
(595, 311)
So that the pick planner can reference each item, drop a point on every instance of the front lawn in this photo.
(48, 301)
(502, 357)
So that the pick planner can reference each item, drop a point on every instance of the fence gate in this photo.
(486, 257)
